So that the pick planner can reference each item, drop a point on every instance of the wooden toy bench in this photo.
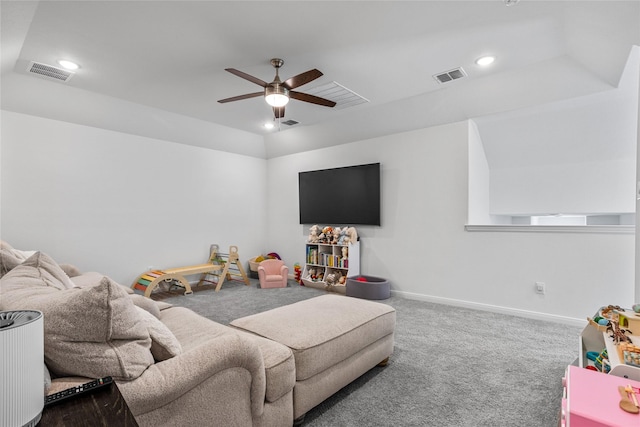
(220, 266)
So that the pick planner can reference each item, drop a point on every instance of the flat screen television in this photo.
(347, 195)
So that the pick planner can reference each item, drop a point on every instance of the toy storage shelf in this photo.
(328, 259)
(592, 339)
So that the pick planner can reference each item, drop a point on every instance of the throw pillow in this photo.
(91, 332)
(8, 261)
(39, 271)
(164, 345)
(11, 258)
(23, 255)
(50, 272)
(47, 379)
(146, 303)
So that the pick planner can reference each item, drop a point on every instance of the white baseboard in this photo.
(492, 308)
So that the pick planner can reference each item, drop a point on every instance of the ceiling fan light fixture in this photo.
(276, 95)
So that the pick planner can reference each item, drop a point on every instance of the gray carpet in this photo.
(450, 367)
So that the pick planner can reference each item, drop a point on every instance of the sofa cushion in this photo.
(70, 270)
(193, 331)
(92, 332)
(164, 345)
(163, 305)
(279, 366)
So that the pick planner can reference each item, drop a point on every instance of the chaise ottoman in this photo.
(334, 339)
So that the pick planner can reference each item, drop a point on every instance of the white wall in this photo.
(479, 179)
(118, 203)
(570, 188)
(84, 195)
(573, 156)
(423, 248)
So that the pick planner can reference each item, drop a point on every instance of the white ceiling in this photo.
(156, 68)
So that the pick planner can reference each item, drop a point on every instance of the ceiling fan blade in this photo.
(247, 77)
(311, 98)
(238, 98)
(278, 112)
(302, 79)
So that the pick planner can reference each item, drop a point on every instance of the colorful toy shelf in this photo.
(219, 268)
(596, 338)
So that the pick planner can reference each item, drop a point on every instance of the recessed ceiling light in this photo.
(68, 64)
(269, 125)
(485, 60)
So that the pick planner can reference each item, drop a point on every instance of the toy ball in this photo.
(592, 368)
(636, 308)
(361, 279)
(603, 322)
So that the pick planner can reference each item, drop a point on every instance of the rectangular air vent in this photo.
(450, 75)
(49, 71)
(339, 94)
(290, 122)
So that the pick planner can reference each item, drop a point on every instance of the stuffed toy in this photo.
(345, 252)
(312, 274)
(313, 233)
(352, 236)
(342, 236)
(325, 235)
(335, 236)
(331, 279)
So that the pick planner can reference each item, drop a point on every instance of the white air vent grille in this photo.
(450, 75)
(290, 122)
(339, 94)
(49, 71)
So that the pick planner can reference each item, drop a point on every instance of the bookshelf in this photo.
(324, 259)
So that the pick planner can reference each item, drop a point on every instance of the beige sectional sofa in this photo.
(174, 367)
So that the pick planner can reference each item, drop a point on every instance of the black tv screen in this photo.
(348, 195)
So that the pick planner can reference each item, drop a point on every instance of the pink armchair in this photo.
(272, 273)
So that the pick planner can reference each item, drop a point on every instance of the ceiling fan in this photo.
(277, 93)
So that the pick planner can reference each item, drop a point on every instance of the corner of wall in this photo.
(478, 190)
